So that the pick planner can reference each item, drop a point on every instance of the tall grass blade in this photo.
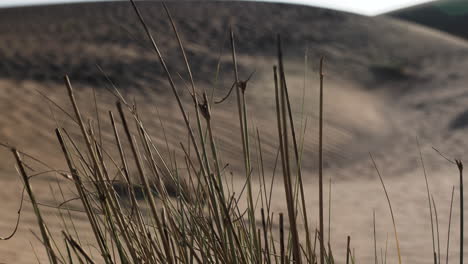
(460, 170)
(437, 228)
(287, 167)
(390, 207)
(348, 250)
(281, 229)
(428, 200)
(37, 212)
(449, 223)
(322, 247)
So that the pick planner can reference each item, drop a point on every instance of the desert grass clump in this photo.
(151, 212)
(203, 222)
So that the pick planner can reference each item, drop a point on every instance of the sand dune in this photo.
(444, 15)
(387, 82)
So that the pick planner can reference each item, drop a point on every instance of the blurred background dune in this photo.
(388, 81)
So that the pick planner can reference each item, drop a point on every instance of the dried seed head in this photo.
(459, 164)
(204, 108)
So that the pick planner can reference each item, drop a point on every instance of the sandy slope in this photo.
(387, 82)
(444, 15)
